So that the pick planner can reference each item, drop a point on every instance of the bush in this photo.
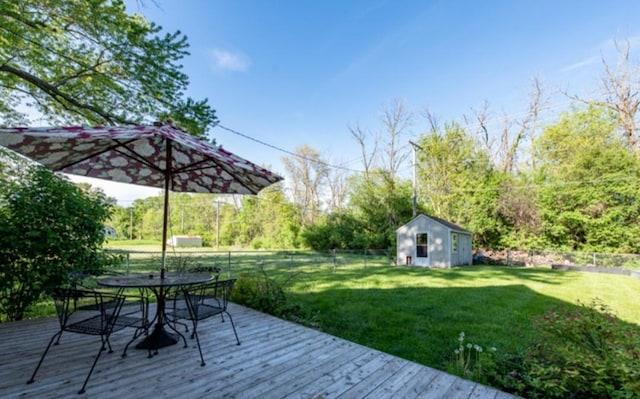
(261, 292)
(48, 228)
(579, 353)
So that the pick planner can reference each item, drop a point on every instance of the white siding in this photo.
(439, 244)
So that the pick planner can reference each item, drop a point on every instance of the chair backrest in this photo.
(79, 278)
(214, 271)
(87, 279)
(86, 311)
(222, 289)
(210, 298)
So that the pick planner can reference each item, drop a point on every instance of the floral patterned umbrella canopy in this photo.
(159, 155)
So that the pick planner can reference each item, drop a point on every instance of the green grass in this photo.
(133, 244)
(417, 313)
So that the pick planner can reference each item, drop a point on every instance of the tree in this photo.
(48, 227)
(397, 120)
(511, 141)
(380, 204)
(150, 213)
(368, 159)
(89, 62)
(337, 230)
(278, 222)
(387, 153)
(336, 182)
(621, 89)
(589, 184)
(121, 221)
(449, 163)
(229, 226)
(309, 173)
(140, 208)
(457, 182)
(200, 216)
(517, 211)
(506, 148)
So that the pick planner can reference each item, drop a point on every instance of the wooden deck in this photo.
(277, 359)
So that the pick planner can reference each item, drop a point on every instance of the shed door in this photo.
(465, 250)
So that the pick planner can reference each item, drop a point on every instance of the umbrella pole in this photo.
(165, 216)
(164, 231)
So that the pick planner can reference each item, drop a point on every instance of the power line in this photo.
(286, 151)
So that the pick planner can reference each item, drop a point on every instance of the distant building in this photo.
(185, 241)
(110, 232)
(433, 242)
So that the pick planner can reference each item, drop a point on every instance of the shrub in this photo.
(261, 292)
(585, 352)
(48, 228)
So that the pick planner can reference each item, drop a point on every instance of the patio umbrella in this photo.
(159, 155)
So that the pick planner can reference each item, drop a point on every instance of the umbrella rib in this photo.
(131, 154)
(192, 167)
(110, 148)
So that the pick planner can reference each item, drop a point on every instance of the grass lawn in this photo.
(418, 313)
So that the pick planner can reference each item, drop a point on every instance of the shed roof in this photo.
(448, 224)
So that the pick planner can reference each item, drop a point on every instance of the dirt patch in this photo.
(512, 257)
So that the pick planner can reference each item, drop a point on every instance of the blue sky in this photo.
(295, 72)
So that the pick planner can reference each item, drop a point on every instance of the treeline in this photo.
(566, 182)
(578, 190)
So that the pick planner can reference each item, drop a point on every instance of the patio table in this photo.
(160, 287)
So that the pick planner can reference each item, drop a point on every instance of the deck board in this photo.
(276, 359)
(405, 384)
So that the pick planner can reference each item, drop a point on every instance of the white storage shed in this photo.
(185, 241)
(433, 242)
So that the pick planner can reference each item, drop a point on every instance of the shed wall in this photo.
(185, 241)
(439, 244)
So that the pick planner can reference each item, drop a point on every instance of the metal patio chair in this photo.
(85, 312)
(135, 314)
(204, 301)
(135, 310)
(178, 303)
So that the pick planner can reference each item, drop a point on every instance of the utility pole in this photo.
(182, 219)
(217, 225)
(414, 198)
(131, 223)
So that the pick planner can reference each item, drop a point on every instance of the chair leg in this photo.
(102, 349)
(136, 335)
(234, 326)
(195, 333)
(58, 334)
(108, 344)
(146, 335)
(185, 325)
(176, 322)
(58, 340)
